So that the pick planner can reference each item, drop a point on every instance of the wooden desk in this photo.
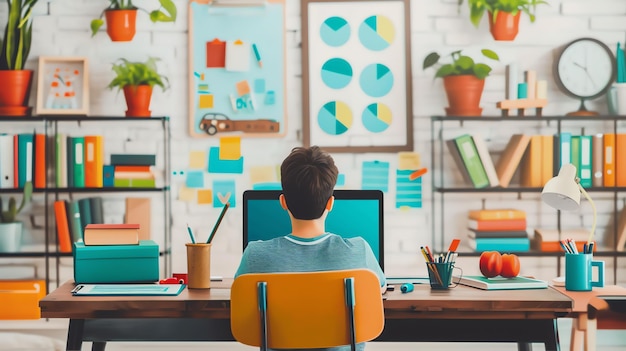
(460, 314)
(590, 310)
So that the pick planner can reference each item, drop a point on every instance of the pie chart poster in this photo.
(357, 74)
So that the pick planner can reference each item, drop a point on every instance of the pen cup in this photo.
(440, 275)
(198, 266)
(579, 272)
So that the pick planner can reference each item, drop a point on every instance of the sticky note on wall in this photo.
(375, 175)
(230, 148)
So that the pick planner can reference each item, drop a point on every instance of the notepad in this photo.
(128, 289)
(500, 283)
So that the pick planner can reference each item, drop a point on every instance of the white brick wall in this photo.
(61, 27)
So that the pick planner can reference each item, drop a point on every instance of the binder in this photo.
(456, 156)
(39, 169)
(84, 207)
(472, 162)
(6, 161)
(24, 159)
(565, 149)
(486, 160)
(97, 210)
(547, 158)
(73, 220)
(608, 157)
(511, 157)
(575, 153)
(78, 161)
(597, 161)
(620, 159)
(61, 177)
(531, 163)
(70, 161)
(585, 160)
(94, 156)
(63, 231)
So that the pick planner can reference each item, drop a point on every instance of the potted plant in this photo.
(121, 16)
(10, 227)
(137, 79)
(463, 80)
(504, 15)
(14, 51)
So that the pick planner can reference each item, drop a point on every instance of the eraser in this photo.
(406, 287)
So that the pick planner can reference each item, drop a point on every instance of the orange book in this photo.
(505, 213)
(547, 159)
(547, 240)
(497, 224)
(111, 234)
(133, 168)
(63, 230)
(531, 163)
(139, 210)
(511, 157)
(40, 161)
(620, 159)
(609, 160)
(94, 155)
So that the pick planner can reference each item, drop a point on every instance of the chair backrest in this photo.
(306, 310)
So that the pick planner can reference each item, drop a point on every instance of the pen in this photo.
(193, 240)
(257, 55)
(217, 224)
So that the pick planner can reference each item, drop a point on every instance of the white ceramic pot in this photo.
(10, 237)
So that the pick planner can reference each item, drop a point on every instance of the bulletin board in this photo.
(237, 68)
(356, 75)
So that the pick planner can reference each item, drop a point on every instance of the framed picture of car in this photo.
(63, 86)
(237, 72)
(356, 75)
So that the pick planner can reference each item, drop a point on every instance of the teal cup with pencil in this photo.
(440, 275)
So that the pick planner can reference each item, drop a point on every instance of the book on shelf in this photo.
(97, 210)
(458, 161)
(548, 239)
(497, 224)
(139, 210)
(84, 206)
(501, 283)
(133, 159)
(479, 234)
(499, 244)
(73, 220)
(61, 175)
(511, 157)
(39, 164)
(94, 155)
(6, 161)
(111, 234)
(565, 149)
(547, 158)
(620, 159)
(608, 158)
(621, 230)
(493, 214)
(486, 160)
(530, 165)
(575, 151)
(63, 231)
(472, 161)
(24, 158)
(585, 160)
(597, 162)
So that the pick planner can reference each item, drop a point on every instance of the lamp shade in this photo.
(562, 192)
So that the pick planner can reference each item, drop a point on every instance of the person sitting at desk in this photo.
(308, 177)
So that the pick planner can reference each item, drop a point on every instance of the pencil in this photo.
(257, 55)
(217, 224)
(193, 240)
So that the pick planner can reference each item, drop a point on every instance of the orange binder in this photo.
(63, 230)
(547, 159)
(511, 157)
(609, 160)
(531, 163)
(620, 159)
(94, 156)
(40, 161)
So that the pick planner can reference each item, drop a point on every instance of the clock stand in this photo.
(582, 111)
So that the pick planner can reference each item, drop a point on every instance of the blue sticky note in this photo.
(408, 192)
(270, 98)
(259, 86)
(267, 186)
(223, 192)
(341, 179)
(195, 179)
(223, 166)
(375, 176)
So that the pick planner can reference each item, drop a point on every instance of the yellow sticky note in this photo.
(263, 174)
(186, 194)
(205, 196)
(408, 160)
(205, 101)
(197, 160)
(230, 148)
(243, 88)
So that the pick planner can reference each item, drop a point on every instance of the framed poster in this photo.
(63, 86)
(356, 75)
(237, 68)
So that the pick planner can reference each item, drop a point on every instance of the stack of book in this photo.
(131, 171)
(501, 230)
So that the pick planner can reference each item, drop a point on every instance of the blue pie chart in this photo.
(376, 80)
(376, 117)
(377, 33)
(336, 73)
(335, 117)
(335, 31)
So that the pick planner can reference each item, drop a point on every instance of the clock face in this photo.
(585, 68)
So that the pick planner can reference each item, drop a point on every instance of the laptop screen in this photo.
(355, 213)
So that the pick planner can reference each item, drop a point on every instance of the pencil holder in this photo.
(198, 266)
(440, 275)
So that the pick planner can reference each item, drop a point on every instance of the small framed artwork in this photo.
(63, 86)
(356, 75)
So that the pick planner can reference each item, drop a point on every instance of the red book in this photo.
(497, 224)
(16, 165)
(40, 161)
(63, 230)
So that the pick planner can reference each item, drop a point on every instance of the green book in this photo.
(78, 161)
(134, 183)
(73, 220)
(575, 153)
(500, 283)
(472, 161)
(85, 212)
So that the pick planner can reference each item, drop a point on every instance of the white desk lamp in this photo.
(563, 193)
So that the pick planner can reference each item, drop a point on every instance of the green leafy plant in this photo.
(15, 45)
(461, 64)
(137, 73)
(165, 13)
(479, 7)
(12, 211)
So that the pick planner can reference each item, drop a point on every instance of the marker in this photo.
(257, 55)
(193, 240)
(217, 224)
(418, 173)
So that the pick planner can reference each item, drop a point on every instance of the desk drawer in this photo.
(20, 298)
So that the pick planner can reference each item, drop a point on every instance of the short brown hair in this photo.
(308, 177)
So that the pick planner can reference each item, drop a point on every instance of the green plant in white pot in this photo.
(10, 227)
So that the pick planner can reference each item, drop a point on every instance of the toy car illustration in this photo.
(214, 122)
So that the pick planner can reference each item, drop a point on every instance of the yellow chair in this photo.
(306, 309)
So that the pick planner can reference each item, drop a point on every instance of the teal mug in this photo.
(579, 272)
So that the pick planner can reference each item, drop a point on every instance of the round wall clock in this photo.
(584, 69)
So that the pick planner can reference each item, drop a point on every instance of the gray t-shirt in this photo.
(323, 253)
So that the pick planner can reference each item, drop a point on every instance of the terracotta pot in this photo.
(464, 93)
(505, 26)
(121, 24)
(15, 90)
(138, 100)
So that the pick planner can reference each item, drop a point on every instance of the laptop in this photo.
(355, 213)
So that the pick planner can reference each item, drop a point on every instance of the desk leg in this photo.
(75, 335)
(524, 346)
(579, 332)
(98, 346)
(590, 335)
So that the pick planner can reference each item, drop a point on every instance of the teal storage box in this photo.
(96, 264)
